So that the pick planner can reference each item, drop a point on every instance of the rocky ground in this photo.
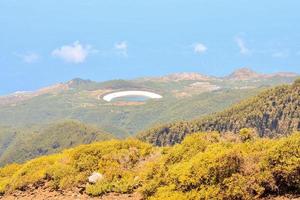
(46, 194)
(41, 194)
(283, 198)
(42, 191)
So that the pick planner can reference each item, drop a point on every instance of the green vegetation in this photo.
(203, 166)
(183, 100)
(27, 134)
(122, 121)
(297, 82)
(247, 134)
(29, 143)
(117, 160)
(272, 113)
(226, 159)
(220, 169)
(24, 133)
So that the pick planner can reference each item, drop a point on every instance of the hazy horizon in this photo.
(43, 43)
(132, 78)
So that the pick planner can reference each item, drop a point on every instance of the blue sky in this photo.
(49, 41)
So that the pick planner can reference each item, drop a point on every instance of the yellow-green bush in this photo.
(203, 166)
(222, 169)
(32, 171)
(247, 134)
(283, 161)
(116, 160)
(5, 174)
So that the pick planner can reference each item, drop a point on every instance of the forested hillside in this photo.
(21, 145)
(272, 113)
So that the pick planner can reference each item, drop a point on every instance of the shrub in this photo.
(283, 161)
(203, 166)
(247, 134)
(226, 169)
(5, 173)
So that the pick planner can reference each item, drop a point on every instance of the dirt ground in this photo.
(41, 194)
(41, 191)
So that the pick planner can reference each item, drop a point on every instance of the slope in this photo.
(32, 142)
(272, 113)
(185, 96)
(204, 166)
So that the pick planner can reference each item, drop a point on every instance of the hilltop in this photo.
(273, 112)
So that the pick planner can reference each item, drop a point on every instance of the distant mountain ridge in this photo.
(25, 95)
(241, 74)
(247, 74)
(181, 76)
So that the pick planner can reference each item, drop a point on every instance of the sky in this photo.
(50, 41)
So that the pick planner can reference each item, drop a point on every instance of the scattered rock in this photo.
(95, 177)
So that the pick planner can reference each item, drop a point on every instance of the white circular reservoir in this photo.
(111, 96)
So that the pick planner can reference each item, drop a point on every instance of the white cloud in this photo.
(199, 48)
(29, 57)
(242, 45)
(74, 53)
(122, 48)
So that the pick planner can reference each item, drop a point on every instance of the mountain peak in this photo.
(247, 74)
(243, 74)
(77, 82)
(244, 70)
